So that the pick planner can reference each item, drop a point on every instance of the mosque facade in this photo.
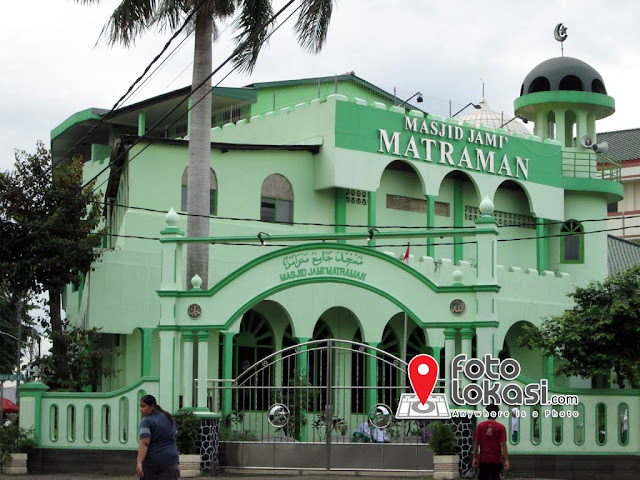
(341, 223)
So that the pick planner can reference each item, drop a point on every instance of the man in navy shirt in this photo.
(157, 451)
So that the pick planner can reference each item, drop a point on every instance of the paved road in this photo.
(279, 476)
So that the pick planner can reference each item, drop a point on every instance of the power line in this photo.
(321, 224)
(237, 50)
(535, 237)
(120, 100)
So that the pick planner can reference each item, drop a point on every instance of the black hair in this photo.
(151, 401)
(493, 410)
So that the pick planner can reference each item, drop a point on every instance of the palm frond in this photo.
(313, 23)
(253, 24)
(128, 21)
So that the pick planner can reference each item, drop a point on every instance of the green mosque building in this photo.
(348, 233)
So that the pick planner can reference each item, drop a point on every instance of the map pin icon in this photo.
(423, 374)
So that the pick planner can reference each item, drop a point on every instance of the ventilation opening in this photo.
(522, 89)
(598, 87)
(539, 84)
(571, 82)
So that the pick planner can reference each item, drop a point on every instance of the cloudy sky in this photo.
(52, 66)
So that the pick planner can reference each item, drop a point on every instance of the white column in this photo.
(167, 363)
(449, 353)
(466, 335)
(187, 369)
(203, 370)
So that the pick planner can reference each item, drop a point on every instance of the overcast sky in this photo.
(52, 67)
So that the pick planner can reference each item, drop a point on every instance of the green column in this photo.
(548, 369)
(458, 218)
(431, 223)
(142, 123)
(145, 361)
(227, 373)
(371, 214)
(371, 378)
(542, 244)
(435, 353)
(31, 407)
(301, 369)
(340, 211)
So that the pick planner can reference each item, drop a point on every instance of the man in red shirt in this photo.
(491, 439)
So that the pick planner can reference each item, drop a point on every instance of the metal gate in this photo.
(324, 404)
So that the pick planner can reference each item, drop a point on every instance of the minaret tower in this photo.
(564, 97)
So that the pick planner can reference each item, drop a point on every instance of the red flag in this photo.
(406, 254)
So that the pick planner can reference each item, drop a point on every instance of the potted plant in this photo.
(444, 444)
(188, 428)
(16, 443)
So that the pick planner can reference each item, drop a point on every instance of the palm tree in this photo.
(132, 17)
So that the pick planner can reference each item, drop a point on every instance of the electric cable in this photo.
(349, 225)
(470, 242)
(147, 68)
(236, 50)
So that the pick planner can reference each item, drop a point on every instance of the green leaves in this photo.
(84, 359)
(600, 334)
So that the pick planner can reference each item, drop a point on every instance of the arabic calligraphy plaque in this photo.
(457, 307)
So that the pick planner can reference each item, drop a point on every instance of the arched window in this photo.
(213, 189)
(572, 242)
(601, 424)
(539, 84)
(623, 423)
(570, 128)
(578, 424)
(571, 82)
(318, 365)
(551, 120)
(276, 202)
(253, 343)
(597, 86)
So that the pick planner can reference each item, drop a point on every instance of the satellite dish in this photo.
(560, 32)
(587, 141)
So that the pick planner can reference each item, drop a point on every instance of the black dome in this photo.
(563, 73)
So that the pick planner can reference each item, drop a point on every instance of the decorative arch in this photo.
(570, 128)
(531, 360)
(263, 277)
(253, 342)
(213, 191)
(405, 167)
(276, 199)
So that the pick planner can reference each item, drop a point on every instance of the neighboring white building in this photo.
(624, 216)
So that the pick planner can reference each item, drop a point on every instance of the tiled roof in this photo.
(622, 254)
(623, 144)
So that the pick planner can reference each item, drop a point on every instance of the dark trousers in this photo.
(167, 472)
(489, 471)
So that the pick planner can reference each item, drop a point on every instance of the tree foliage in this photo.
(600, 334)
(48, 238)
(85, 361)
